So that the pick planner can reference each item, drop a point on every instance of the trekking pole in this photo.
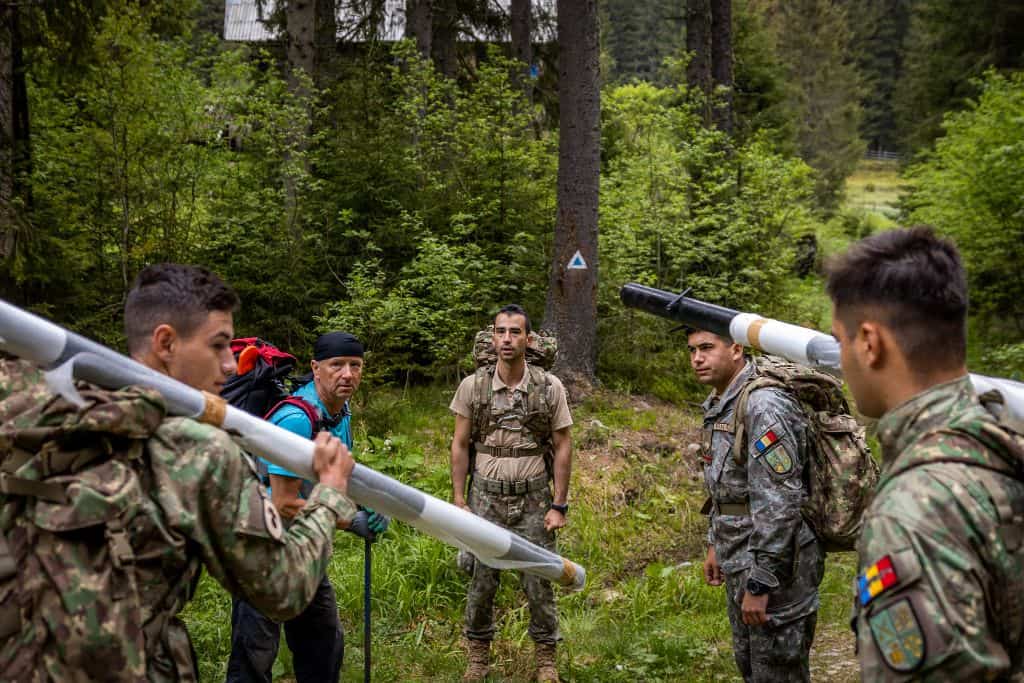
(366, 610)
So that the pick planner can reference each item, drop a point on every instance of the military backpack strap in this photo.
(739, 416)
(51, 492)
(483, 392)
(10, 613)
(538, 407)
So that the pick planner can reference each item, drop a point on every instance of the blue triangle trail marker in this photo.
(577, 262)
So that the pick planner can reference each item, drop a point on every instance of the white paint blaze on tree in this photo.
(571, 310)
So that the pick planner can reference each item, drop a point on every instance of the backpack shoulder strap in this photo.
(540, 383)
(308, 409)
(739, 415)
(481, 403)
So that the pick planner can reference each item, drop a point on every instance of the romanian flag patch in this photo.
(767, 440)
(876, 579)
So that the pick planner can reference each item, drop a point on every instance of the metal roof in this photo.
(244, 22)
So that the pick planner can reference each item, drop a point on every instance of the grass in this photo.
(875, 188)
(635, 526)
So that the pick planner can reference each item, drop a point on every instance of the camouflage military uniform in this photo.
(757, 529)
(187, 498)
(940, 589)
(521, 511)
(524, 515)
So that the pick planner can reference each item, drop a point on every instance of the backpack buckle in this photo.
(121, 552)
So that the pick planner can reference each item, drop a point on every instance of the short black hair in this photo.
(688, 331)
(514, 309)
(914, 281)
(177, 295)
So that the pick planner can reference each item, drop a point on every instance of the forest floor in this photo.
(635, 526)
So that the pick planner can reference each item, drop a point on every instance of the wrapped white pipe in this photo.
(67, 357)
(798, 344)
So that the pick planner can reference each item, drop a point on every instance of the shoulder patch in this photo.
(898, 636)
(779, 460)
(876, 579)
(272, 520)
(766, 442)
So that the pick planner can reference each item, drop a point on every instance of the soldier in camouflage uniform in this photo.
(166, 496)
(511, 484)
(759, 545)
(940, 589)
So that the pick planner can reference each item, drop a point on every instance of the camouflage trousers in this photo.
(523, 515)
(778, 651)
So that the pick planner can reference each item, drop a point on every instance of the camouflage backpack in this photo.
(72, 500)
(540, 357)
(842, 474)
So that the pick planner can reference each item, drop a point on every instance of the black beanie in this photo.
(335, 344)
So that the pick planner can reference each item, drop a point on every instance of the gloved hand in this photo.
(360, 526)
(378, 523)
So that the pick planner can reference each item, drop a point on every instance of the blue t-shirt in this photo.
(295, 420)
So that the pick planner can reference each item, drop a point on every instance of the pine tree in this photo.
(571, 308)
(824, 88)
(950, 43)
(879, 29)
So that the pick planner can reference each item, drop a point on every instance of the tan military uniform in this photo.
(521, 508)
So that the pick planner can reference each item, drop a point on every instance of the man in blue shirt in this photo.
(315, 636)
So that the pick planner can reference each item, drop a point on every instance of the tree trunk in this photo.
(325, 35)
(722, 63)
(300, 29)
(521, 26)
(443, 45)
(15, 154)
(571, 310)
(698, 44)
(419, 24)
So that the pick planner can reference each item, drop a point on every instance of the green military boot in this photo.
(479, 655)
(547, 663)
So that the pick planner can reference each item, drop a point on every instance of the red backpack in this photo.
(263, 381)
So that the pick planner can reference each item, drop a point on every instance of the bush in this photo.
(970, 187)
(681, 209)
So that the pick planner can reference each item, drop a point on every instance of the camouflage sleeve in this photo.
(776, 436)
(210, 491)
(920, 606)
(19, 375)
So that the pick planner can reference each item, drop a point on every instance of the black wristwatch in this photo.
(755, 587)
(564, 509)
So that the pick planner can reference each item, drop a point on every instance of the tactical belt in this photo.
(511, 488)
(509, 451)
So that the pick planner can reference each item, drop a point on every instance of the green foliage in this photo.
(639, 34)
(449, 211)
(680, 208)
(115, 166)
(879, 30)
(948, 45)
(824, 89)
(1006, 360)
(970, 187)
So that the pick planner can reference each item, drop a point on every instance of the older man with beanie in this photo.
(315, 637)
